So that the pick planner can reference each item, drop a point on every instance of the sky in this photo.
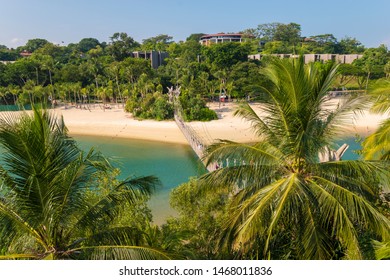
(68, 21)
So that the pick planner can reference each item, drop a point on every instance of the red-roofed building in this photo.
(209, 39)
(25, 53)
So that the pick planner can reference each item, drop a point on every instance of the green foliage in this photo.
(194, 108)
(277, 47)
(377, 145)
(350, 45)
(285, 203)
(8, 55)
(224, 56)
(195, 37)
(199, 220)
(121, 46)
(158, 43)
(91, 62)
(87, 44)
(325, 43)
(33, 45)
(58, 202)
(151, 106)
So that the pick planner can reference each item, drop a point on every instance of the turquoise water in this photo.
(351, 152)
(173, 164)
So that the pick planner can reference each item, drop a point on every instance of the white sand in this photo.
(117, 123)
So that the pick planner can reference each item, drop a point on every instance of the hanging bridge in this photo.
(197, 142)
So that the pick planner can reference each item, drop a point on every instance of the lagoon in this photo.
(173, 164)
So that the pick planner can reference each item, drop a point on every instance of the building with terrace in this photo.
(210, 39)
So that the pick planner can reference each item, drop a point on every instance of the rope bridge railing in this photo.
(197, 142)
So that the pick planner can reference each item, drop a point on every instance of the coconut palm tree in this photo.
(285, 203)
(51, 202)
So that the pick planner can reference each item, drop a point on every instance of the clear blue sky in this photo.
(69, 21)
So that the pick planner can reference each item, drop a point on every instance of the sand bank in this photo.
(117, 123)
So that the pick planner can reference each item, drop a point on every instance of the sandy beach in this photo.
(117, 123)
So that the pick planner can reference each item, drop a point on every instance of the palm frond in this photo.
(380, 96)
(377, 145)
(382, 250)
(111, 204)
(334, 215)
(18, 256)
(316, 243)
(21, 223)
(121, 252)
(258, 125)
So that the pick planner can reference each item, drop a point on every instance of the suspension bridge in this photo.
(199, 143)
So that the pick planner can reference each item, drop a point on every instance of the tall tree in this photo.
(373, 62)
(350, 45)
(87, 44)
(47, 210)
(158, 43)
(34, 44)
(121, 46)
(195, 37)
(290, 33)
(287, 204)
(266, 32)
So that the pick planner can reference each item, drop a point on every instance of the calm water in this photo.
(173, 164)
(354, 146)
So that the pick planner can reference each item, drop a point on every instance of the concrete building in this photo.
(340, 58)
(156, 57)
(210, 39)
(7, 61)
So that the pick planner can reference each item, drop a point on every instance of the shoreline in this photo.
(116, 122)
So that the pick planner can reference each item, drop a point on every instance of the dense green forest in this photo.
(279, 202)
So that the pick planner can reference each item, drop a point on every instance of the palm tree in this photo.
(285, 203)
(51, 203)
(377, 145)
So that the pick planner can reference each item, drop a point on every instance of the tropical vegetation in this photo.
(55, 199)
(283, 197)
(91, 71)
(282, 201)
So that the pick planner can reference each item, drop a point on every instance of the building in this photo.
(25, 53)
(156, 57)
(7, 61)
(340, 58)
(210, 39)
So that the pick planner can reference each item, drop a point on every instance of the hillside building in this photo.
(156, 57)
(340, 58)
(210, 39)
